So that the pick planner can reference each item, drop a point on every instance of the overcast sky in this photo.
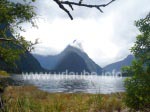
(105, 37)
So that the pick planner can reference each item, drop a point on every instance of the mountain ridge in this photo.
(91, 65)
(119, 64)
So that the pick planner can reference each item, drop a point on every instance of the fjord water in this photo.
(73, 83)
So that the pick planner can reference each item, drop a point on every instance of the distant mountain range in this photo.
(118, 65)
(72, 59)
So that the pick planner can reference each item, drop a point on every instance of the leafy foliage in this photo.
(138, 86)
(12, 15)
(4, 74)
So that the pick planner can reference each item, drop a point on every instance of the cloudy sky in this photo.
(105, 37)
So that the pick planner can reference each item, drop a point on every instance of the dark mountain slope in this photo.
(48, 62)
(67, 56)
(26, 63)
(118, 65)
(72, 62)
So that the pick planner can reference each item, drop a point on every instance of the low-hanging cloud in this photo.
(106, 37)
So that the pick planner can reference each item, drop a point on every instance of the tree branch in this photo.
(63, 8)
(85, 5)
(4, 39)
(70, 4)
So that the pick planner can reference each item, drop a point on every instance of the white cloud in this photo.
(105, 37)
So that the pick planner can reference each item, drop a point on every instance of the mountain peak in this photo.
(77, 44)
(130, 57)
(72, 59)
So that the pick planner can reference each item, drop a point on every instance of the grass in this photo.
(3, 74)
(3, 83)
(31, 99)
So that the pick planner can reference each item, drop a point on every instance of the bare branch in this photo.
(71, 6)
(85, 5)
(80, 3)
(63, 8)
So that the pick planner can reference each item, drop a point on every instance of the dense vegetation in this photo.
(14, 49)
(12, 15)
(3, 74)
(138, 87)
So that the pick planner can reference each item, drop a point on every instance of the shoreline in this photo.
(31, 98)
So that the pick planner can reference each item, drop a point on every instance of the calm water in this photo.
(73, 84)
